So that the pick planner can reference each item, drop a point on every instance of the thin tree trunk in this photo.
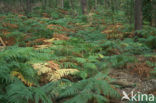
(28, 6)
(84, 6)
(62, 4)
(21, 5)
(95, 4)
(44, 4)
(56, 1)
(138, 14)
(105, 3)
(71, 4)
(131, 12)
(154, 13)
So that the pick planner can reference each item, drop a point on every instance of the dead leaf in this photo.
(61, 36)
(12, 26)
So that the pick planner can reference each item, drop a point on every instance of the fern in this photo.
(93, 88)
(20, 76)
(19, 93)
(53, 73)
(62, 73)
(119, 61)
(80, 60)
(68, 65)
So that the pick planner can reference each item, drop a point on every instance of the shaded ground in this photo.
(132, 82)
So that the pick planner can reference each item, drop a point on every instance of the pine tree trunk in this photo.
(84, 6)
(71, 4)
(44, 4)
(56, 1)
(62, 4)
(28, 7)
(138, 14)
(21, 5)
(95, 6)
(153, 13)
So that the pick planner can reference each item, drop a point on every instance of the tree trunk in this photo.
(95, 5)
(138, 14)
(84, 6)
(62, 4)
(71, 4)
(44, 4)
(21, 5)
(56, 1)
(28, 7)
(153, 13)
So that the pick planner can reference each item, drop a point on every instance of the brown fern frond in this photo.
(58, 74)
(21, 77)
(41, 68)
(52, 70)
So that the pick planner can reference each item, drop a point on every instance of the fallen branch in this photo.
(2, 42)
(122, 83)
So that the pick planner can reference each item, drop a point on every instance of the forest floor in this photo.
(86, 45)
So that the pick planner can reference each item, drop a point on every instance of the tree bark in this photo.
(95, 5)
(21, 5)
(62, 4)
(71, 4)
(28, 7)
(56, 5)
(138, 14)
(84, 6)
(153, 13)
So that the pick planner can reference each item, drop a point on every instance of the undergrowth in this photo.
(90, 44)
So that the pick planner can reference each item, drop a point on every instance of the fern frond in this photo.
(21, 77)
(58, 74)
(53, 73)
(41, 68)
(80, 60)
(19, 93)
(93, 88)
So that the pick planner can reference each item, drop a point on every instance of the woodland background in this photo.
(76, 51)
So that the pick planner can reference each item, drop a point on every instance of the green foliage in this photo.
(135, 48)
(150, 41)
(54, 15)
(17, 92)
(16, 60)
(20, 59)
(83, 18)
(17, 34)
(90, 35)
(87, 50)
(147, 15)
(22, 28)
(12, 88)
(147, 31)
(119, 61)
(90, 89)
